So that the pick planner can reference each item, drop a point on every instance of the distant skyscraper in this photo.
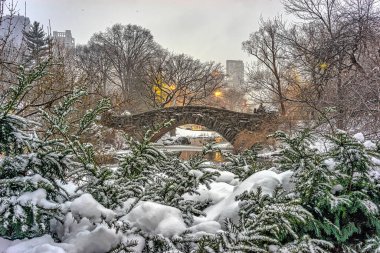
(12, 29)
(235, 72)
(64, 39)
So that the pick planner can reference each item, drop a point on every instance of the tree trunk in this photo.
(340, 104)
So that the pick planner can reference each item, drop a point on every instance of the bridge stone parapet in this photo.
(242, 130)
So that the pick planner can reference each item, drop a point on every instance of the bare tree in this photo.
(95, 67)
(127, 48)
(269, 65)
(328, 48)
(180, 80)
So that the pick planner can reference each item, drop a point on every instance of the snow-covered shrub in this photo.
(336, 186)
(29, 168)
(33, 167)
(358, 214)
(279, 213)
(243, 164)
(148, 174)
(265, 220)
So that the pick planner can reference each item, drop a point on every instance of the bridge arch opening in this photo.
(188, 140)
(190, 134)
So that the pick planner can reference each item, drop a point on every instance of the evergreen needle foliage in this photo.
(34, 166)
(243, 164)
(335, 186)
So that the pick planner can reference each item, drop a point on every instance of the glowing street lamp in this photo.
(218, 97)
(218, 93)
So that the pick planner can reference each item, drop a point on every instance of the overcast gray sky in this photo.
(205, 29)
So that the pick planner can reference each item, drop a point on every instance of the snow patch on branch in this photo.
(87, 206)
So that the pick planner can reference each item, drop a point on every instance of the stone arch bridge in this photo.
(242, 130)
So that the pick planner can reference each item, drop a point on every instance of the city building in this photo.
(12, 28)
(64, 39)
(235, 72)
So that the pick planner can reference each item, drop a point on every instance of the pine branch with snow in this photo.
(280, 212)
(146, 173)
(59, 126)
(359, 216)
(307, 245)
(243, 164)
(335, 186)
(372, 245)
(29, 171)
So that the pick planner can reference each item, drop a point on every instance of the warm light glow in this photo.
(218, 93)
(218, 157)
(323, 66)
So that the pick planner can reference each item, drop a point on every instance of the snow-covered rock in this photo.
(156, 218)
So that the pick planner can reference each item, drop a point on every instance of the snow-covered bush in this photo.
(335, 185)
(30, 168)
(265, 219)
(33, 167)
(243, 164)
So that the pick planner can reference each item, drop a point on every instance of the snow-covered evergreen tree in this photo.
(147, 173)
(58, 125)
